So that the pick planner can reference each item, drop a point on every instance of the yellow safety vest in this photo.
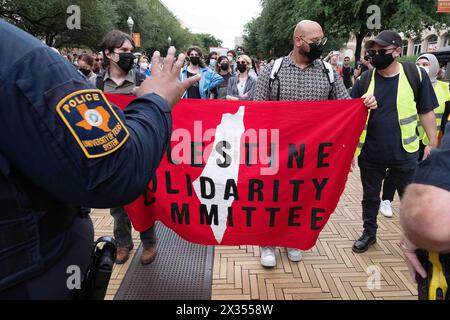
(407, 113)
(443, 95)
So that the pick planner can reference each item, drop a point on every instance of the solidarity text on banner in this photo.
(251, 173)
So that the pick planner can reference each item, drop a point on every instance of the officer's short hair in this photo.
(113, 40)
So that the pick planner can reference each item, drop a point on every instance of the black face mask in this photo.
(86, 72)
(241, 67)
(382, 62)
(195, 60)
(315, 51)
(224, 66)
(126, 61)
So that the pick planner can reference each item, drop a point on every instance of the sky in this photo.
(206, 16)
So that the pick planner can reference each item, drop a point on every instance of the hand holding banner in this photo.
(256, 173)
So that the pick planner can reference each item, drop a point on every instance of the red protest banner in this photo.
(255, 173)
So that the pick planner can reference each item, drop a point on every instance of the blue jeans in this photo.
(122, 230)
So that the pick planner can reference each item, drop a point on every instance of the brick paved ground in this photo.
(329, 271)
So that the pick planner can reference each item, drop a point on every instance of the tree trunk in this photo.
(359, 39)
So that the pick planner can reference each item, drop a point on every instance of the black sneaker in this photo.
(363, 243)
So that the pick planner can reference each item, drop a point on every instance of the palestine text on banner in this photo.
(252, 173)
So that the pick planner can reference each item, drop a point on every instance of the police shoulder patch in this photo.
(93, 122)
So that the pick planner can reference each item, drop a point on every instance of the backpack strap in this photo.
(274, 75)
(414, 76)
(329, 71)
(276, 68)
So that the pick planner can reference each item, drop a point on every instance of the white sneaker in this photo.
(294, 255)
(385, 209)
(268, 258)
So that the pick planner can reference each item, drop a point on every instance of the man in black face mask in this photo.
(121, 78)
(301, 75)
(404, 93)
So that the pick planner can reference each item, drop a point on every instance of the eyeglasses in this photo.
(381, 52)
(318, 42)
(242, 62)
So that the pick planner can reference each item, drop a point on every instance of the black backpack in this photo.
(411, 71)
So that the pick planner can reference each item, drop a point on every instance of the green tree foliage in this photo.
(271, 33)
(205, 41)
(47, 20)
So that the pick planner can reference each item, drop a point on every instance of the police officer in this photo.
(63, 145)
(425, 209)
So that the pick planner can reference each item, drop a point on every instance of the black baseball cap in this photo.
(386, 38)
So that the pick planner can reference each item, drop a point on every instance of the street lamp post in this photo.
(130, 24)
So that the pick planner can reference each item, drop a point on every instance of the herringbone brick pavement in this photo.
(328, 271)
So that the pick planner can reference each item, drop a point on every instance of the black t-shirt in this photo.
(347, 76)
(194, 90)
(383, 145)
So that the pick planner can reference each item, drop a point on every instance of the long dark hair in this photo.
(219, 61)
(113, 40)
(200, 53)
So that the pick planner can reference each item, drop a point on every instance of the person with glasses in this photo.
(430, 63)
(390, 140)
(242, 86)
(209, 81)
(363, 65)
(302, 66)
(347, 73)
(98, 68)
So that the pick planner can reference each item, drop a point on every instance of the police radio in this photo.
(97, 276)
(435, 285)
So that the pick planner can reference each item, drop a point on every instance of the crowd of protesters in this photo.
(236, 76)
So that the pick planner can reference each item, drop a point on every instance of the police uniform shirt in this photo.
(59, 131)
(435, 170)
(383, 145)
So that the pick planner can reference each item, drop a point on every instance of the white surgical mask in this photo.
(427, 69)
(144, 65)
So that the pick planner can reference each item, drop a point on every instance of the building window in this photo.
(405, 48)
(433, 44)
(417, 46)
